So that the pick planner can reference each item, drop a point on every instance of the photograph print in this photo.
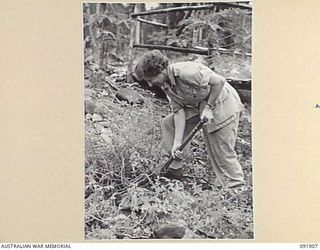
(167, 114)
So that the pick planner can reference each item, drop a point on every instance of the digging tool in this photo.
(165, 166)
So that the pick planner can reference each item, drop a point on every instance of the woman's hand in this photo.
(176, 154)
(207, 112)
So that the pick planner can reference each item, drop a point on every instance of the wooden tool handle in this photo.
(187, 139)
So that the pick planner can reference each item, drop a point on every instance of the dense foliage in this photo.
(227, 29)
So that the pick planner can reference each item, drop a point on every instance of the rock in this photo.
(129, 95)
(170, 232)
(89, 106)
(97, 118)
(88, 116)
(106, 135)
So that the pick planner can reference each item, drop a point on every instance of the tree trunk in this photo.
(92, 37)
(98, 8)
(131, 49)
(138, 25)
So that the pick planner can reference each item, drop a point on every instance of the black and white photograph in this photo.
(167, 122)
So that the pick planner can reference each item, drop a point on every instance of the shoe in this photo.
(176, 164)
(176, 174)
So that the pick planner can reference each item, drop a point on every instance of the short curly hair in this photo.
(151, 64)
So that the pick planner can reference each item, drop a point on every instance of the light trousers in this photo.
(220, 145)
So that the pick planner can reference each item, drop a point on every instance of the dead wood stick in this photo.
(177, 49)
(200, 7)
(111, 84)
(196, 50)
(161, 11)
(152, 22)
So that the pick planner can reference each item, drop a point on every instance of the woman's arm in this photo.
(216, 83)
(179, 124)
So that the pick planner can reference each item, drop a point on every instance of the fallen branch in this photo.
(196, 50)
(172, 48)
(162, 11)
(111, 84)
(152, 23)
(224, 51)
(201, 7)
(201, 232)
(135, 237)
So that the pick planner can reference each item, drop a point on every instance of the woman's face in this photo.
(157, 80)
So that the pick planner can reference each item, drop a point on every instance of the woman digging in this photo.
(195, 92)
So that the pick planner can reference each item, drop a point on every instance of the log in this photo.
(196, 50)
(172, 48)
(201, 7)
(129, 95)
(152, 22)
(162, 11)
(224, 51)
(239, 83)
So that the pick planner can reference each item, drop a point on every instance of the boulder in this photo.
(97, 118)
(169, 232)
(129, 95)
